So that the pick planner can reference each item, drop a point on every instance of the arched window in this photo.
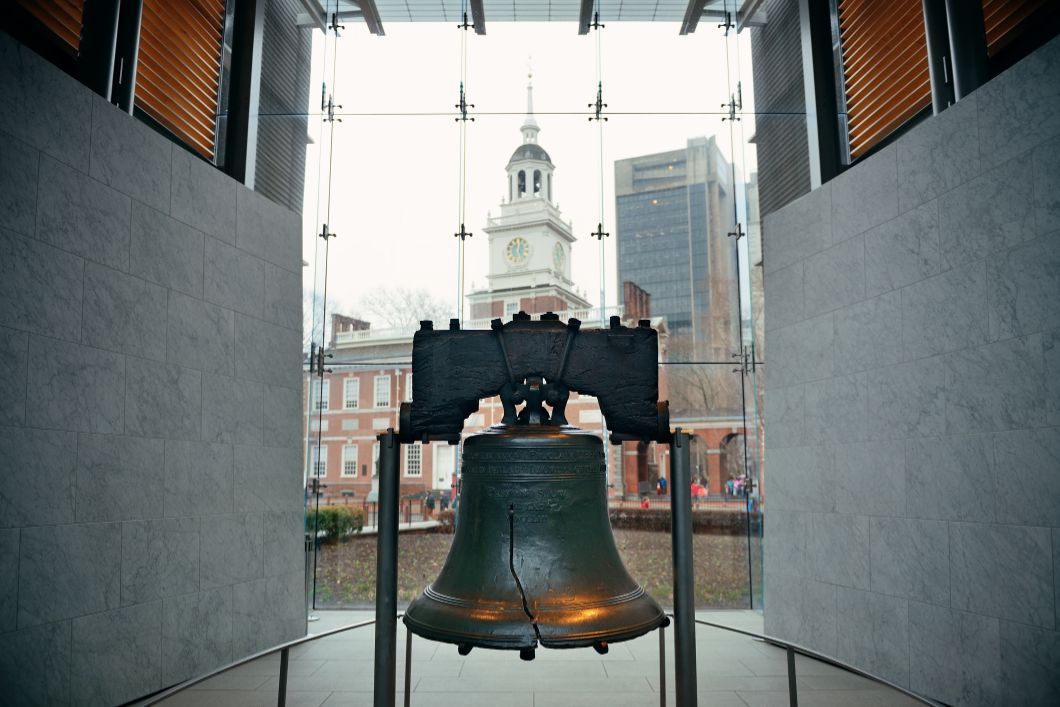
(537, 182)
(509, 187)
(548, 190)
(522, 182)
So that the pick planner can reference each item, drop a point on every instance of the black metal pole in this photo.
(408, 668)
(386, 572)
(662, 666)
(684, 589)
(127, 54)
(281, 692)
(793, 690)
(938, 51)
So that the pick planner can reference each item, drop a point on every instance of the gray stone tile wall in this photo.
(129, 558)
(913, 403)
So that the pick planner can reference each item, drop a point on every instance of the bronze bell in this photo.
(533, 559)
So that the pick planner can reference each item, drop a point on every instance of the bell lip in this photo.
(502, 429)
(478, 640)
(541, 607)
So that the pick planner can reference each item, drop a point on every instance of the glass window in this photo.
(320, 460)
(382, 391)
(322, 394)
(408, 387)
(351, 393)
(413, 457)
(375, 459)
(349, 460)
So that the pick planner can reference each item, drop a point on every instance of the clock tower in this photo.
(529, 242)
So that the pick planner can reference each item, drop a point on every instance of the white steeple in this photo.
(530, 127)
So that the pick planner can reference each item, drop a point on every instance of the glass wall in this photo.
(614, 173)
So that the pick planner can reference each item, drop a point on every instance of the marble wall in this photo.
(913, 404)
(150, 466)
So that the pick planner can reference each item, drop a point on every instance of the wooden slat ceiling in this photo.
(1003, 19)
(179, 65)
(885, 67)
(61, 17)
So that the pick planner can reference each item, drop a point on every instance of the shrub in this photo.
(335, 522)
(446, 521)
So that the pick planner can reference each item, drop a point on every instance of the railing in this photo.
(590, 317)
(791, 649)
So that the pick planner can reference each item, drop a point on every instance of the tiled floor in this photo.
(733, 671)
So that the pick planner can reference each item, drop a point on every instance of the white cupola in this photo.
(530, 168)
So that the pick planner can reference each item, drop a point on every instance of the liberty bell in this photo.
(533, 559)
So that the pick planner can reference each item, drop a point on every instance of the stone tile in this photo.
(196, 634)
(130, 157)
(232, 410)
(160, 558)
(37, 484)
(57, 123)
(945, 313)
(234, 279)
(116, 655)
(872, 633)
(40, 288)
(785, 304)
(785, 411)
(1051, 348)
(1002, 571)
(802, 479)
(118, 478)
(82, 216)
(1030, 665)
(788, 542)
(75, 387)
(268, 478)
(204, 197)
(865, 195)
(1029, 491)
(1046, 166)
(907, 400)
(910, 559)
(123, 313)
(835, 277)
(284, 542)
(798, 230)
(267, 353)
(198, 478)
(870, 479)
(166, 251)
(18, 185)
(807, 614)
(995, 387)
(14, 374)
(231, 550)
(837, 410)
(801, 352)
(42, 652)
(1020, 108)
(903, 250)
(268, 230)
(8, 579)
(987, 214)
(841, 549)
(268, 612)
(283, 416)
(938, 154)
(162, 400)
(869, 334)
(67, 571)
(953, 656)
(951, 478)
(283, 297)
(200, 335)
(1024, 286)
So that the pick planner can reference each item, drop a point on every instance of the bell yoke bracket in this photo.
(535, 363)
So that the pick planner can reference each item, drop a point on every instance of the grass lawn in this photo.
(346, 570)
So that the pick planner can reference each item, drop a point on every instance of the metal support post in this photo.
(967, 31)
(126, 55)
(938, 51)
(662, 666)
(819, 83)
(241, 140)
(684, 589)
(386, 572)
(99, 37)
(793, 690)
(408, 668)
(281, 692)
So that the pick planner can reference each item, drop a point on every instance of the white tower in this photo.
(529, 242)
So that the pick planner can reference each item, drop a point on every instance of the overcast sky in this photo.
(395, 178)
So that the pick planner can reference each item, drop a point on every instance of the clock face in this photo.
(518, 251)
(558, 255)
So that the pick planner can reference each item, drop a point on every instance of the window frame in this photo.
(356, 399)
(346, 460)
(376, 399)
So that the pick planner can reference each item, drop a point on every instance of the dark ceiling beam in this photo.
(371, 17)
(692, 14)
(586, 17)
(478, 17)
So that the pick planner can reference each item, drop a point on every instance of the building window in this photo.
(322, 390)
(413, 458)
(320, 461)
(375, 459)
(349, 460)
(408, 387)
(382, 391)
(510, 308)
(351, 393)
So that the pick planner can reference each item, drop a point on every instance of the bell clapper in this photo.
(527, 653)
(600, 647)
(463, 648)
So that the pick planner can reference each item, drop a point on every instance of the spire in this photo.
(530, 127)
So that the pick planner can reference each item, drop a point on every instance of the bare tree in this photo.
(316, 320)
(700, 387)
(401, 307)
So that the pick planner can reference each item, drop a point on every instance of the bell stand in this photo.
(385, 664)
